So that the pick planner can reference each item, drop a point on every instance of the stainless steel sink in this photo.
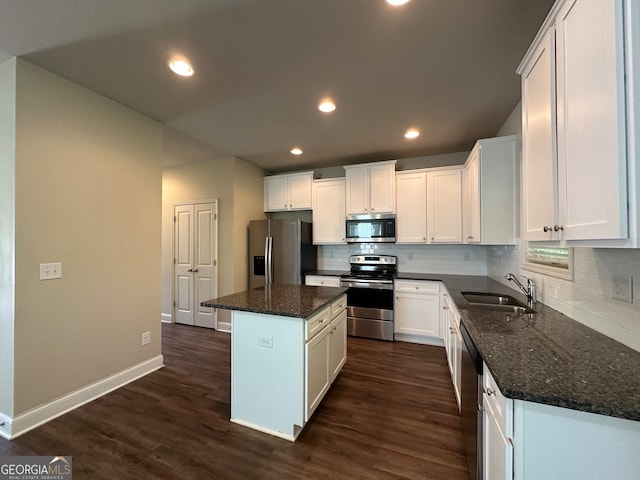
(498, 302)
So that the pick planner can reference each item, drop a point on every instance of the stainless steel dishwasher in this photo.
(471, 404)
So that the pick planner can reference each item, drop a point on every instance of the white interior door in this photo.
(195, 262)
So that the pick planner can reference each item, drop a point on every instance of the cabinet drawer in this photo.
(316, 323)
(322, 281)
(417, 286)
(338, 306)
(499, 406)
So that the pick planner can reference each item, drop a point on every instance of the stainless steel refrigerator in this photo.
(280, 251)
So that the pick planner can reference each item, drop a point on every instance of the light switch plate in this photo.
(622, 288)
(50, 271)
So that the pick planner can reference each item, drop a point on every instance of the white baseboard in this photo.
(14, 427)
(166, 318)
(224, 327)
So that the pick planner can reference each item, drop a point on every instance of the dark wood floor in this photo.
(391, 414)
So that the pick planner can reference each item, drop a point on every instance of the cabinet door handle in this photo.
(445, 308)
(490, 392)
(195, 270)
(557, 227)
(546, 229)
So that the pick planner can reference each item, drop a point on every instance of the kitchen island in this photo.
(288, 344)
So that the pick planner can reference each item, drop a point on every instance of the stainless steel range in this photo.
(370, 296)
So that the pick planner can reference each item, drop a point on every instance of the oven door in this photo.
(369, 308)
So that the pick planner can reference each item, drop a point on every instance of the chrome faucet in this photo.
(529, 290)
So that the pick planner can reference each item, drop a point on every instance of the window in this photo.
(549, 260)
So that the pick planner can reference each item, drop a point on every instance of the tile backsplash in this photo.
(445, 259)
(588, 298)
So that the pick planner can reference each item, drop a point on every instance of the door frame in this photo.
(173, 253)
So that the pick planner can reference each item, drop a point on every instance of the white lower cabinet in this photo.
(498, 451)
(417, 311)
(532, 441)
(325, 353)
(337, 344)
(452, 342)
(497, 426)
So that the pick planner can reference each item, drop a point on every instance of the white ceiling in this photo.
(446, 67)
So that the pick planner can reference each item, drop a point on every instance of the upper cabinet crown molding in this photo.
(580, 87)
(490, 192)
(371, 188)
(291, 191)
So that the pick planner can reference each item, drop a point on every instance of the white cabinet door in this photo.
(337, 344)
(317, 378)
(498, 452)
(591, 120)
(471, 206)
(417, 308)
(329, 211)
(382, 189)
(444, 206)
(300, 191)
(371, 188)
(539, 166)
(288, 192)
(357, 186)
(276, 194)
(411, 216)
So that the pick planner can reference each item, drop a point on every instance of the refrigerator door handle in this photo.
(268, 256)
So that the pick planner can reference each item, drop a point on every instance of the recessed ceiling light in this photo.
(397, 3)
(181, 67)
(411, 134)
(327, 106)
(296, 151)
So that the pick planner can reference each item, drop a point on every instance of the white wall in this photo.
(7, 232)
(87, 194)
(587, 298)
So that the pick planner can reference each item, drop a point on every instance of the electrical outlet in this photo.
(467, 256)
(410, 257)
(146, 338)
(622, 288)
(266, 342)
(50, 271)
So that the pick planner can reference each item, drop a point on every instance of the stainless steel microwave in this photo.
(371, 228)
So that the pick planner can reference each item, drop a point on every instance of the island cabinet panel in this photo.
(282, 367)
(267, 373)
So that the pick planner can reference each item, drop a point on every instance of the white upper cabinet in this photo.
(444, 206)
(288, 192)
(429, 206)
(490, 192)
(329, 211)
(411, 215)
(580, 157)
(591, 120)
(371, 188)
(538, 147)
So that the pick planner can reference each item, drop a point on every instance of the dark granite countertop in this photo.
(286, 300)
(328, 273)
(548, 357)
